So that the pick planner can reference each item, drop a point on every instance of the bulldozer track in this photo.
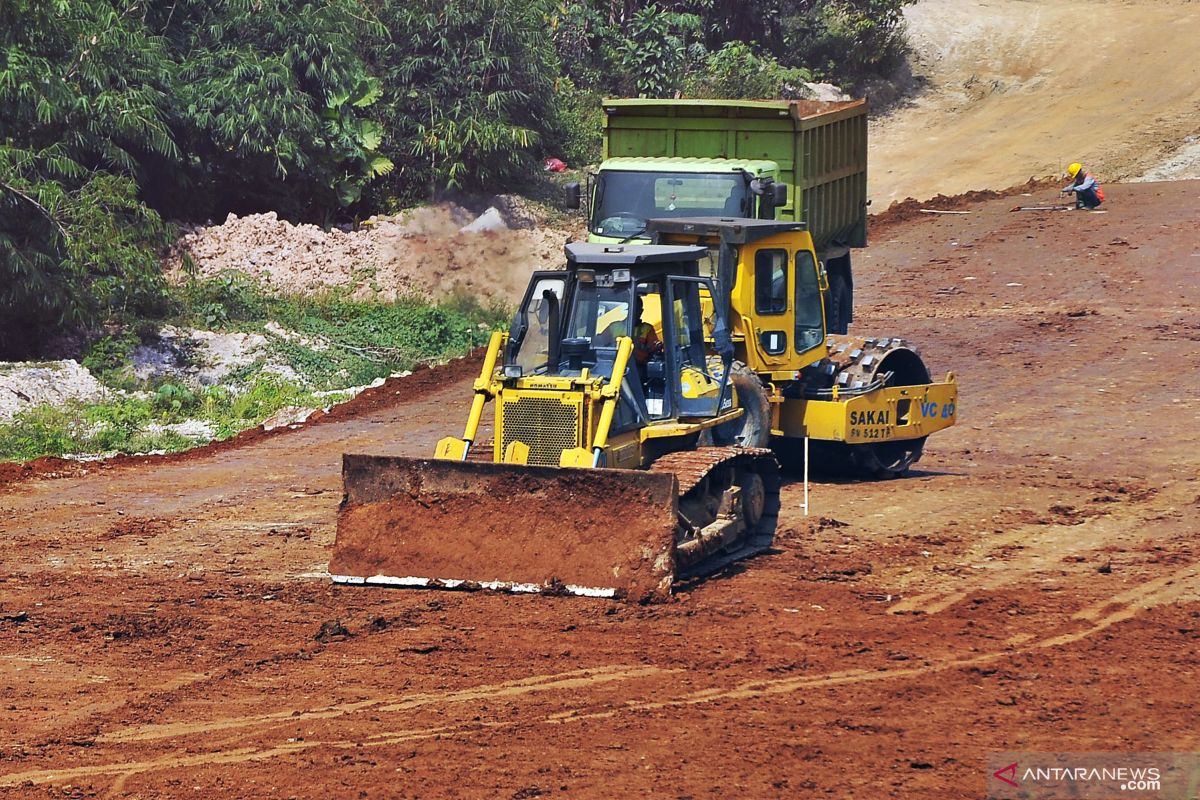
(481, 451)
(691, 467)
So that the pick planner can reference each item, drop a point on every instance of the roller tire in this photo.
(886, 460)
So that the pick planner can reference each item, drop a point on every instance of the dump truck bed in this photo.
(820, 146)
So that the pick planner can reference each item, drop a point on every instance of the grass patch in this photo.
(344, 342)
(137, 424)
(335, 341)
(331, 342)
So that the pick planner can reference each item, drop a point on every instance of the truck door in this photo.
(773, 321)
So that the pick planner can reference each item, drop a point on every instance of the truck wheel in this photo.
(837, 304)
(753, 428)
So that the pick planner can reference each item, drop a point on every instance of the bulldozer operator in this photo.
(646, 343)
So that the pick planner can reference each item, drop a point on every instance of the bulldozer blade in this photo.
(462, 525)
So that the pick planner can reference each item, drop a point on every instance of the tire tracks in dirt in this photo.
(564, 681)
(1182, 585)
(1043, 545)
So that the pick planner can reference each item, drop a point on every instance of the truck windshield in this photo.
(626, 199)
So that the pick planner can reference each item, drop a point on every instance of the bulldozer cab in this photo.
(571, 321)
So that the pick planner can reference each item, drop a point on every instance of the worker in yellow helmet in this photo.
(1088, 194)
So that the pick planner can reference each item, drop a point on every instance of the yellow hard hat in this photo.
(1073, 170)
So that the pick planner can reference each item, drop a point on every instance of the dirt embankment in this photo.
(431, 251)
(911, 209)
(1016, 89)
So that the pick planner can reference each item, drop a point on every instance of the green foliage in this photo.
(111, 354)
(222, 300)
(647, 46)
(174, 397)
(576, 125)
(467, 86)
(111, 427)
(584, 40)
(846, 40)
(492, 316)
(268, 104)
(265, 395)
(735, 71)
(117, 114)
(132, 425)
(40, 431)
(656, 49)
(80, 101)
(352, 343)
(359, 139)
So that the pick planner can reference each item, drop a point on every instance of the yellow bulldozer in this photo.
(642, 396)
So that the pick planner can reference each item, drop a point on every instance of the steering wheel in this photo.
(623, 216)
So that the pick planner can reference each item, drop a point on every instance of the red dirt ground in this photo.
(166, 629)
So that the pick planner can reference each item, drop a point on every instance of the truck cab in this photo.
(627, 192)
(802, 161)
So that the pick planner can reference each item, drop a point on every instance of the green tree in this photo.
(619, 45)
(736, 71)
(268, 105)
(846, 40)
(82, 97)
(656, 49)
(468, 86)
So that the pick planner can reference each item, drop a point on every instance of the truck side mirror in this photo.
(779, 196)
(573, 195)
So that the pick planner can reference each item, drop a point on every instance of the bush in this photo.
(217, 302)
(174, 397)
(112, 426)
(352, 343)
(128, 424)
(72, 256)
(111, 355)
(656, 50)
(847, 41)
(576, 125)
(266, 395)
(735, 71)
(34, 433)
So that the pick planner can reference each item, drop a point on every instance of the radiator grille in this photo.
(545, 424)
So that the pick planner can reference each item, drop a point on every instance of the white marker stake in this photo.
(806, 475)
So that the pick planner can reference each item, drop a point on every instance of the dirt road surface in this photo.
(166, 631)
(1017, 89)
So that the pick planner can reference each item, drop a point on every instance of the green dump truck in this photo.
(799, 160)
